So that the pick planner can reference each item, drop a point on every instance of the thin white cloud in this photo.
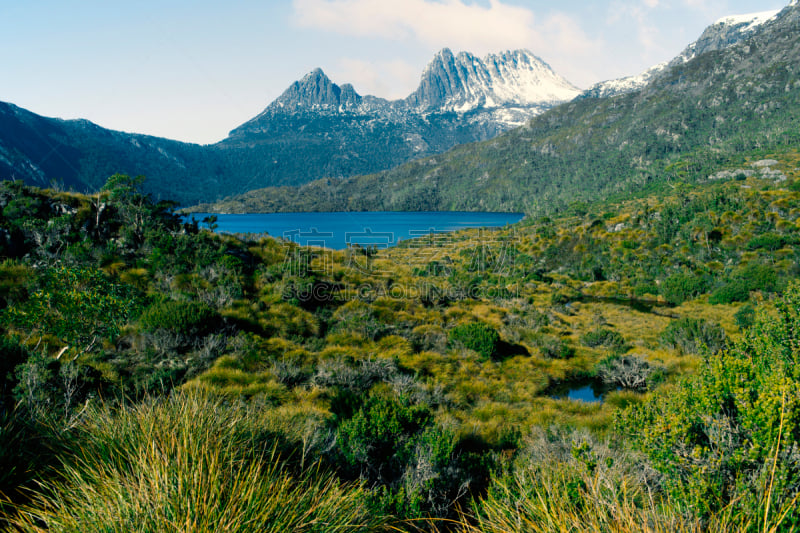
(451, 23)
(387, 79)
(456, 24)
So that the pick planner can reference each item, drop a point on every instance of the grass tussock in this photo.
(188, 464)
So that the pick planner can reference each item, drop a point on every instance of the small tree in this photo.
(478, 337)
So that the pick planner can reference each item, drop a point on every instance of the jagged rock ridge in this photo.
(501, 91)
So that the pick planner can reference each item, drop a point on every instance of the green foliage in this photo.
(743, 280)
(378, 441)
(745, 316)
(728, 436)
(606, 338)
(690, 335)
(683, 286)
(767, 241)
(735, 290)
(417, 467)
(79, 305)
(186, 318)
(478, 337)
(12, 354)
(553, 347)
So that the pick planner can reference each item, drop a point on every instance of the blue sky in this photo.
(194, 70)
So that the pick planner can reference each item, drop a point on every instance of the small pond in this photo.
(589, 390)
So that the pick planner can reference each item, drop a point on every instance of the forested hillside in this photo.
(158, 376)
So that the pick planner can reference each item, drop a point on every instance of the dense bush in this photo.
(735, 290)
(411, 462)
(186, 318)
(745, 316)
(478, 337)
(79, 305)
(606, 338)
(553, 347)
(689, 335)
(681, 287)
(729, 435)
(12, 354)
(743, 280)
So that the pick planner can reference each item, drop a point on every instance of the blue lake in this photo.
(339, 230)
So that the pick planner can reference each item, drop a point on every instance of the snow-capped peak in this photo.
(751, 21)
(464, 82)
(725, 32)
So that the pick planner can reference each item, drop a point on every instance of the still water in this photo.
(340, 230)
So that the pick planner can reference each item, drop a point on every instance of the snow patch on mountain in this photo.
(463, 82)
(501, 91)
(725, 32)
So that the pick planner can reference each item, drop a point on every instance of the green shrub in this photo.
(416, 467)
(606, 338)
(743, 280)
(12, 354)
(766, 241)
(187, 318)
(478, 337)
(727, 437)
(736, 290)
(679, 288)
(758, 277)
(689, 335)
(377, 442)
(745, 316)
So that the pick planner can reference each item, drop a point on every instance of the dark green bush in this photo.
(689, 335)
(415, 467)
(766, 241)
(745, 316)
(12, 353)
(759, 278)
(743, 280)
(736, 290)
(606, 338)
(187, 318)
(681, 287)
(478, 337)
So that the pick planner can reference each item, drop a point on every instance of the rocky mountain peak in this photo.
(464, 82)
(314, 91)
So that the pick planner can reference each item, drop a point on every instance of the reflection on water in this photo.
(584, 389)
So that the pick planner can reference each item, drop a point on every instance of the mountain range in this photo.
(314, 129)
(318, 145)
(694, 118)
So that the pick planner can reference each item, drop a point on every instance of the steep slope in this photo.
(684, 124)
(463, 83)
(80, 155)
(725, 32)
